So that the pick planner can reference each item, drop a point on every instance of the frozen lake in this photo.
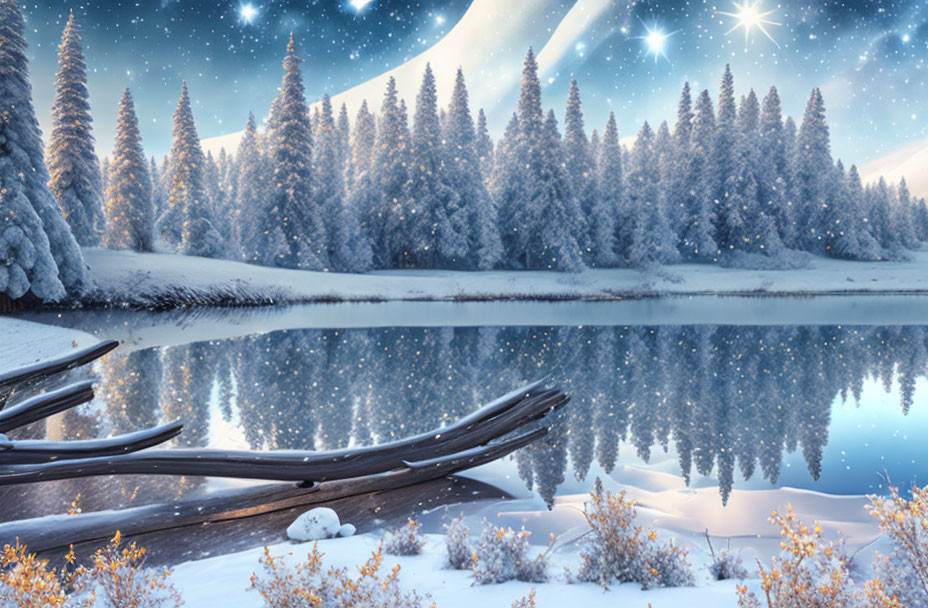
(747, 394)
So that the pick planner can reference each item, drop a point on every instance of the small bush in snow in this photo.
(902, 575)
(309, 584)
(457, 542)
(617, 550)
(405, 541)
(810, 572)
(725, 564)
(502, 555)
(118, 578)
(526, 602)
(27, 581)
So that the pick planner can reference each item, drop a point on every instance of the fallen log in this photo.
(492, 422)
(38, 451)
(57, 533)
(45, 405)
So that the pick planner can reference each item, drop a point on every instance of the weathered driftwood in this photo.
(37, 451)
(490, 423)
(45, 405)
(50, 367)
(58, 532)
(497, 429)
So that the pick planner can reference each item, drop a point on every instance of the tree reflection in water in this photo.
(723, 397)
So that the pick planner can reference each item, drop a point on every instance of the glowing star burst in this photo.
(359, 5)
(750, 15)
(247, 13)
(655, 41)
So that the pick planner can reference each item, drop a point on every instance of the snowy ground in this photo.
(24, 343)
(137, 280)
(676, 512)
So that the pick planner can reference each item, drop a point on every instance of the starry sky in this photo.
(868, 56)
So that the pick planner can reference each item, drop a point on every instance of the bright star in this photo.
(359, 5)
(247, 13)
(750, 15)
(655, 41)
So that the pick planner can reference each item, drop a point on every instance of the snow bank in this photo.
(26, 343)
(161, 281)
(663, 499)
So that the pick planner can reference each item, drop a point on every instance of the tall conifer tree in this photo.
(41, 256)
(129, 207)
(72, 162)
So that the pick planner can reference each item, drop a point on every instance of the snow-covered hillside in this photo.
(168, 280)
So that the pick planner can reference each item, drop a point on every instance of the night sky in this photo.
(869, 57)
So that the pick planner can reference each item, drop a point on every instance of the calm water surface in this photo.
(837, 409)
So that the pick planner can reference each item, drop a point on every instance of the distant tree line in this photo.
(733, 184)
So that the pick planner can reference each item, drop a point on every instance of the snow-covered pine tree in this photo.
(72, 162)
(349, 250)
(517, 209)
(484, 146)
(251, 207)
(868, 248)
(389, 177)
(299, 218)
(698, 241)
(553, 237)
(362, 194)
(775, 180)
(723, 160)
(745, 225)
(129, 209)
(921, 219)
(607, 232)
(464, 176)
(845, 225)
(903, 217)
(665, 157)
(38, 253)
(813, 167)
(188, 201)
(652, 242)
(506, 189)
(581, 168)
(343, 128)
(433, 226)
(677, 187)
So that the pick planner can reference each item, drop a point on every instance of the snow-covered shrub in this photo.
(118, 578)
(28, 582)
(502, 555)
(617, 550)
(407, 540)
(725, 564)
(526, 602)
(310, 584)
(902, 575)
(457, 542)
(810, 572)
